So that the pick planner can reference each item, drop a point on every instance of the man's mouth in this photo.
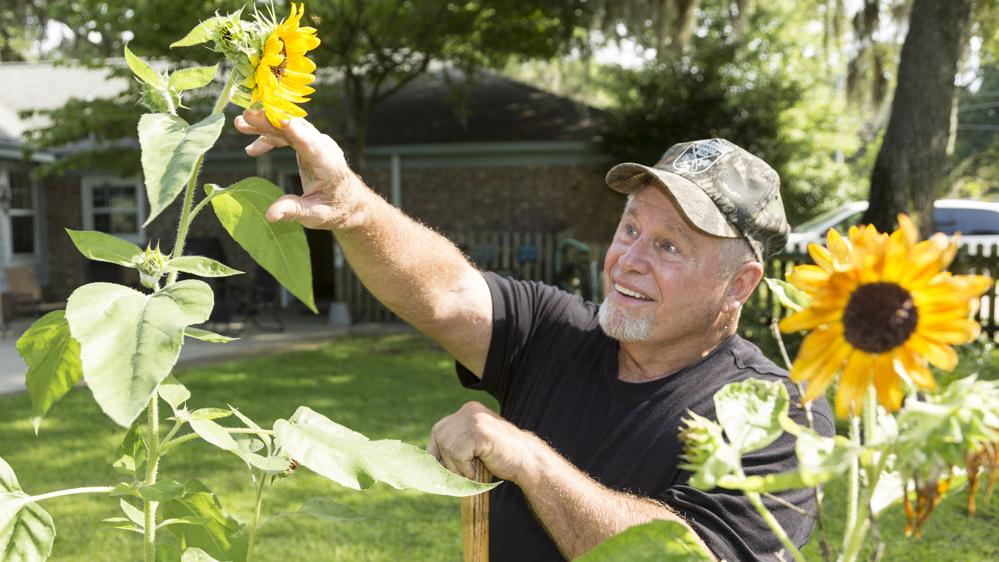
(630, 293)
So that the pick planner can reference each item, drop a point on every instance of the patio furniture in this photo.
(24, 294)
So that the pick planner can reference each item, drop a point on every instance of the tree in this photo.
(370, 50)
(379, 46)
(913, 157)
(22, 23)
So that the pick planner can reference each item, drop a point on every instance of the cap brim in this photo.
(695, 204)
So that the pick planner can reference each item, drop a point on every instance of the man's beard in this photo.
(622, 326)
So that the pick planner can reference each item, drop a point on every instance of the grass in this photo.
(394, 386)
(387, 386)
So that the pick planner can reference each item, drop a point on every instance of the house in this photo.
(504, 156)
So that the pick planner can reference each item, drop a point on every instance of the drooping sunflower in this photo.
(883, 309)
(282, 71)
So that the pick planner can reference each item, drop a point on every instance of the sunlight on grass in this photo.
(394, 386)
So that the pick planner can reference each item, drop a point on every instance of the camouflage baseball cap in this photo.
(721, 188)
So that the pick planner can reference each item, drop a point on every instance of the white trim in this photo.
(18, 154)
(7, 255)
(87, 185)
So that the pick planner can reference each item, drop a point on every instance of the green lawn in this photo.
(389, 386)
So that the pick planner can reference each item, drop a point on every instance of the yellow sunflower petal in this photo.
(838, 246)
(821, 256)
(916, 369)
(853, 384)
(809, 318)
(887, 383)
(820, 372)
(950, 331)
(939, 355)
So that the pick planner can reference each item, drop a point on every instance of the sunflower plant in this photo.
(881, 311)
(124, 342)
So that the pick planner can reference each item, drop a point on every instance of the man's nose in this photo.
(635, 258)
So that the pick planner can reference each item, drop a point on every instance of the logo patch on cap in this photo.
(699, 156)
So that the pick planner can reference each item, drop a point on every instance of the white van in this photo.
(977, 221)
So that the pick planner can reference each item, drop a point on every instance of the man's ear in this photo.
(742, 284)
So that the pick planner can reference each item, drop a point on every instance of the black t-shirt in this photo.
(554, 372)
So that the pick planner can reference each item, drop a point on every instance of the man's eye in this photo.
(669, 247)
(630, 230)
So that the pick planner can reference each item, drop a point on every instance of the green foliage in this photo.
(788, 295)
(221, 536)
(279, 247)
(352, 460)
(751, 413)
(171, 151)
(668, 541)
(104, 247)
(26, 530)
(148, 331)
(201, 266)
(53, 359)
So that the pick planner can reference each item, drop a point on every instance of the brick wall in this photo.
(569, 198)
(68, 269)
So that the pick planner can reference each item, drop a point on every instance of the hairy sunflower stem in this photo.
(152, 467)
(853, 486)
(186, 215)
(255, 524)
(775, 527)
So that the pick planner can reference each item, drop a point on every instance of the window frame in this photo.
(87, 186)
(7, 254)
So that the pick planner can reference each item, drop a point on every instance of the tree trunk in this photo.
(910, 165)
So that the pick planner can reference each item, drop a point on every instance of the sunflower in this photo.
(883, 309)
(282, 72)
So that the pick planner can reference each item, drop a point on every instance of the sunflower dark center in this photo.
(278, 71)
(879, 317)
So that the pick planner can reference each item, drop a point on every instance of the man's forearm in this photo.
(417, 273)
(578, 512)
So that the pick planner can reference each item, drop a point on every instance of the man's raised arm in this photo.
(418, 274)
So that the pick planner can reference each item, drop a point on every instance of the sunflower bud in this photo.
(152, 265)
(701, 439)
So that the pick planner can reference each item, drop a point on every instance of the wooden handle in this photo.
(475, 520)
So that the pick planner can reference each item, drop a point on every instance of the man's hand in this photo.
(476, 432)
(327, 182)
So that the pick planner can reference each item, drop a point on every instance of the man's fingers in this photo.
(287, 207)
(260, 146)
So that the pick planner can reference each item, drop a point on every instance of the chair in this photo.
(261, 299)
(24, 295)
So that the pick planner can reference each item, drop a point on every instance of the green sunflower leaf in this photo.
(788, 295)
(353, 461)
(170, 152)
(279, 247)
(100, 246)
(192, 78)
(143, 71)
(147, 330)
(750, 412)
(26, 530)
(217, 534)
(201, 33)
(201, 266)
(53, 359)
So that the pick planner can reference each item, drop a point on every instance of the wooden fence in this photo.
(523, 255)
(538, 256)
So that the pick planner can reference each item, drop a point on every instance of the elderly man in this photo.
(591, 396)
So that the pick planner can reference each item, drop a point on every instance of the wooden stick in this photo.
(475, 520)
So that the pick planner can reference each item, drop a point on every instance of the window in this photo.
(18, 216)
(115, 206)
(966, 221)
